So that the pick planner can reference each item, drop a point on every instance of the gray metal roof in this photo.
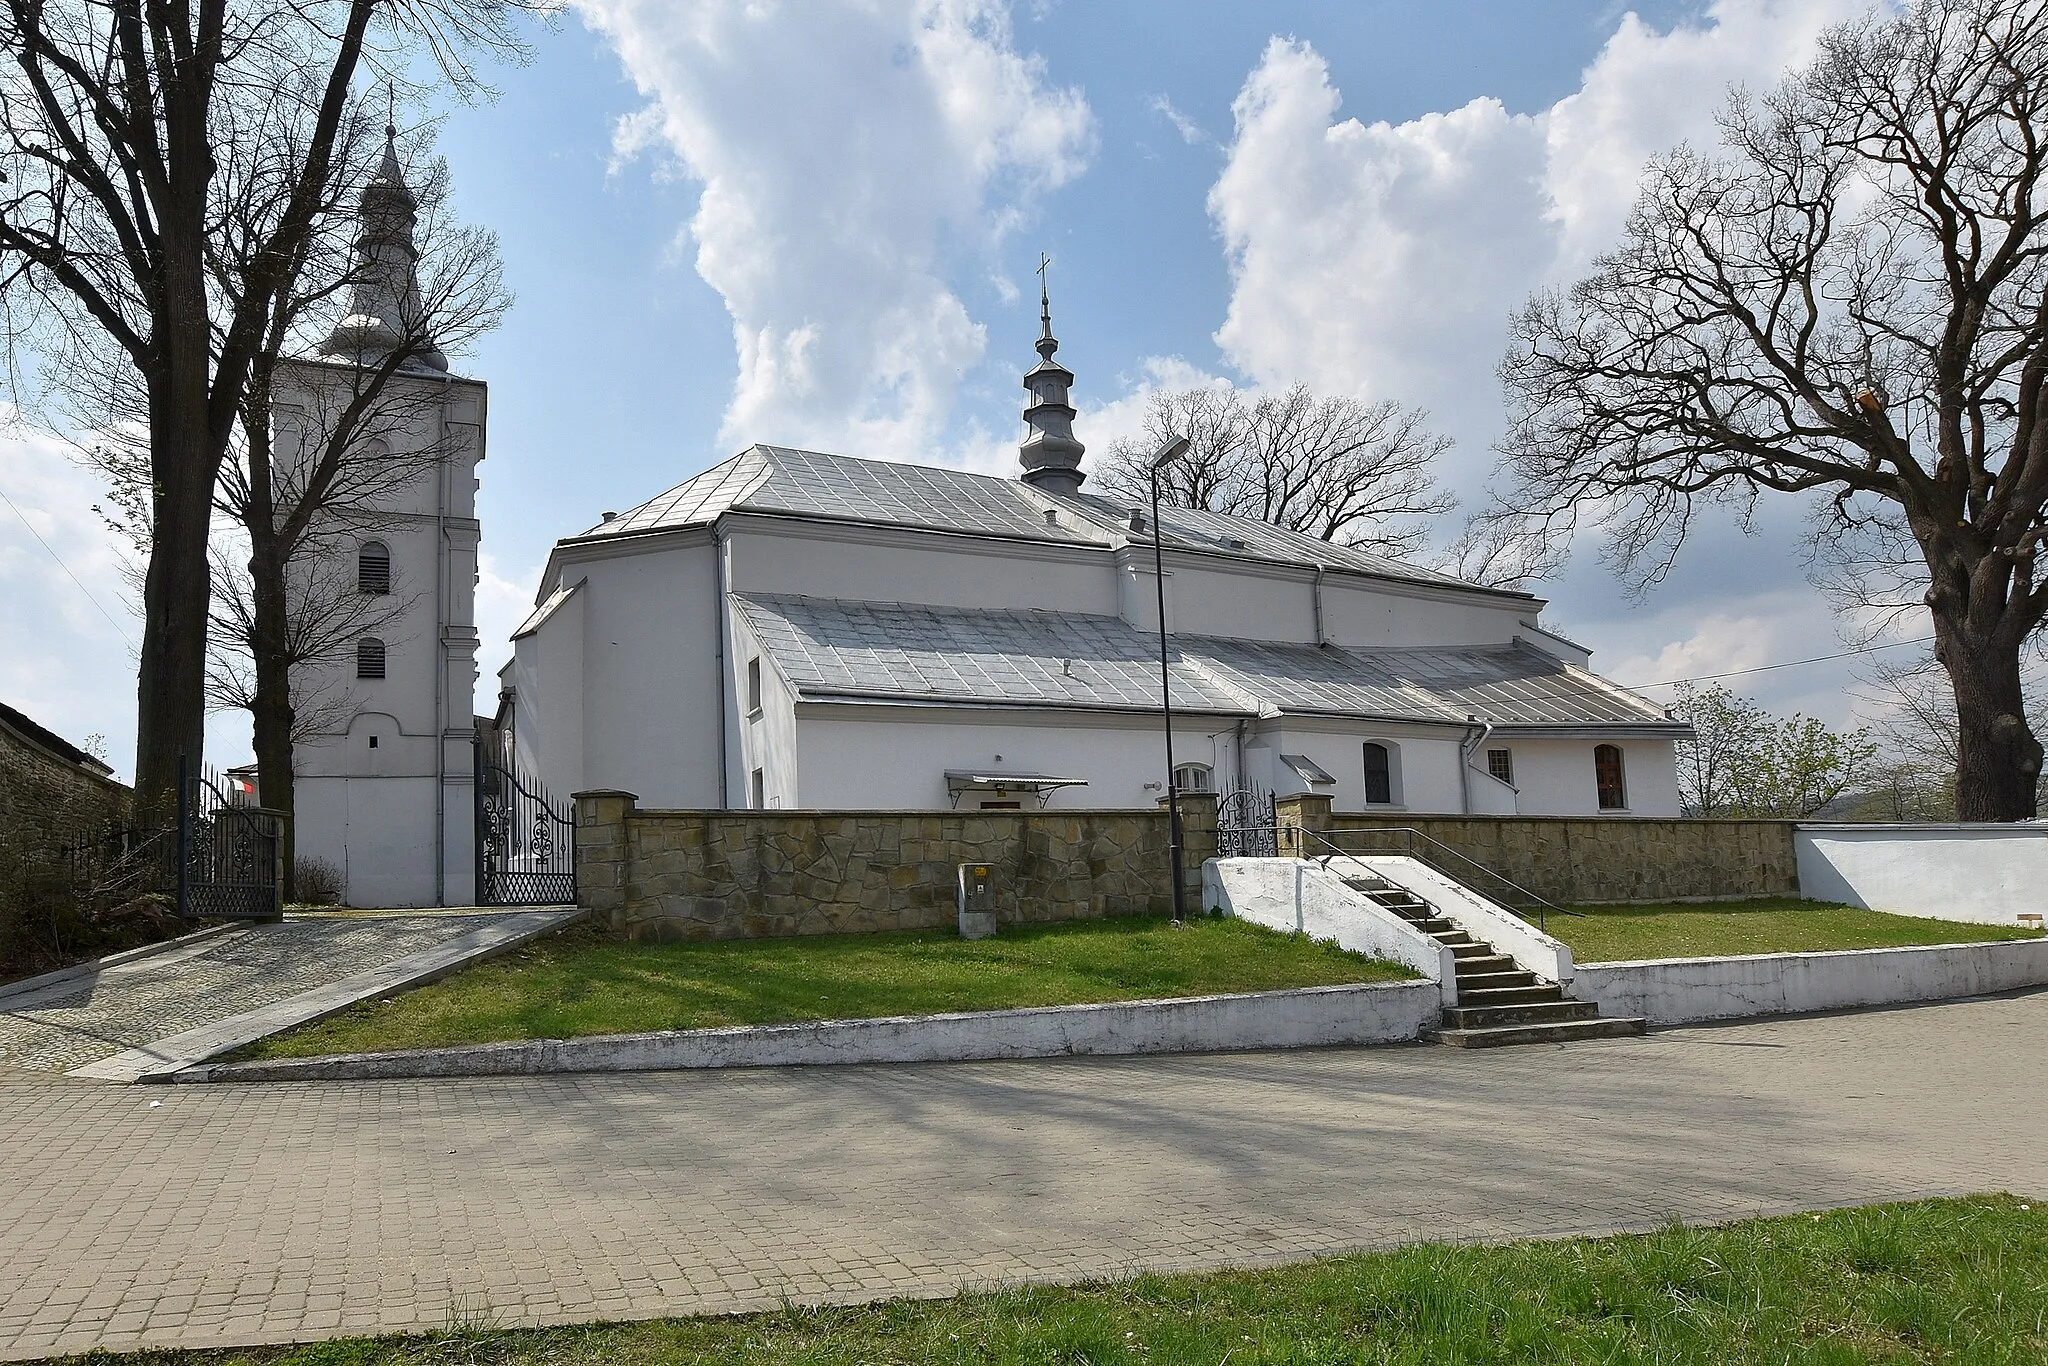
(826, 648)
(814, 484)
(779, 479)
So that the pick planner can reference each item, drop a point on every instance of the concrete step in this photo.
(1569, 1031)
(1452, 939)
(1435, 924)
(1503, 977)
(1472, 949)
(1492, 1016)
(1509, 996)
(1484, 965)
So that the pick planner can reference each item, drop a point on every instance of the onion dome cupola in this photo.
(384, 299)
(1050, 453)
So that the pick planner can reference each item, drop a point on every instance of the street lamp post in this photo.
(1174, 448)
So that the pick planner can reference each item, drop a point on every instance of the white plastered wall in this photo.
(650, 694)
(867, 564)
(767, 736)
(1555, 777)
(892, 758)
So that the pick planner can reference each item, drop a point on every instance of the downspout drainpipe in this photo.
(441, 657)
(1469, 746)
(1322, 638)
(718, 558)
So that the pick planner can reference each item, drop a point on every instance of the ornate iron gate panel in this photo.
(525, 840)
(227, 855)
(1247, 825)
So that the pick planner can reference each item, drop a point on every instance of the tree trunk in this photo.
(185, 451)
(176, 595)
(1998, 760)
(271, 709)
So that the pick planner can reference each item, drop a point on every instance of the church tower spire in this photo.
(384, 301)
(1050, 453)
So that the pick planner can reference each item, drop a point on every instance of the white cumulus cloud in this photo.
(1384, 259)
(851, 153)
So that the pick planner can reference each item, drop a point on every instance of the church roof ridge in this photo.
(796, 481)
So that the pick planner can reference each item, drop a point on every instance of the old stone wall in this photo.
(48, 797)
(758, 874)
(1570, 859)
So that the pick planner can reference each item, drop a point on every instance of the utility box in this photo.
(977, 900)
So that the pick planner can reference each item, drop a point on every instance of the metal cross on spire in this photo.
(1044, 299)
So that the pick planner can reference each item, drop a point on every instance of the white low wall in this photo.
(1530, 947)
(1295, 896)
(1392, 1012)
(1681, 990)
(1986, 874)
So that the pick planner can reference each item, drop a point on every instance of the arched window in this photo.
(1379, 774)
(1191, 777)
(369, 657)
(373, 568)
(1607, 774)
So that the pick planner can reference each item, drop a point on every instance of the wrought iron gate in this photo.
(1247, 825)
(227, 855)
(525, 840)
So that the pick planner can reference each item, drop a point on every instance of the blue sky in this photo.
(815, 221)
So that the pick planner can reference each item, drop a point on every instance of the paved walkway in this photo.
(196, 1215)
(145, 999)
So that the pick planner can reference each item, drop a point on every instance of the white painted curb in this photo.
(1670, 991)
(1391, 1012)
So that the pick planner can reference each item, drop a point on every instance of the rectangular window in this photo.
(759, 784)
(753, 686)
(1379, 775)
(1501, 764)
(1607, 774)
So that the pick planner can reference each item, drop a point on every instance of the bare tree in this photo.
(1334, 468)
(1846, 301)
(128, 134)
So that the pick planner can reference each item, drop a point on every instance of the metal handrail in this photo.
(1541, 904)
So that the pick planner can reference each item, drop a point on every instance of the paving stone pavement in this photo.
(211, 1215)
(151, 998)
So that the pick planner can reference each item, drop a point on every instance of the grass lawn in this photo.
(1613, 934)
(1936, 1281)
(580, 982)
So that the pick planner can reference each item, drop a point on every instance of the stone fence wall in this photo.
(1568, 859)
(49, 794)
(759, 874)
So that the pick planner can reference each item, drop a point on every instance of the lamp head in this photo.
(1174, 449)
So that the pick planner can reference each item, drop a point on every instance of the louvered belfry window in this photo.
(373, 568)
(369, 657)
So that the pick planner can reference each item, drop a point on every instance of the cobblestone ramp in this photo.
(126, 1005)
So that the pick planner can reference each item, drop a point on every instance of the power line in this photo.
(1786, 664)
(66, 568)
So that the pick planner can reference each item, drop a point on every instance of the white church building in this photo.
(794, 629)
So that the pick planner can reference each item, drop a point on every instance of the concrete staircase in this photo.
(1498, 1002)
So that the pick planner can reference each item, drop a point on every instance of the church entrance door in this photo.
(525, 839)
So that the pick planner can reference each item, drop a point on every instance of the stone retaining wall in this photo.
(760, 874)
(1574, 859)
